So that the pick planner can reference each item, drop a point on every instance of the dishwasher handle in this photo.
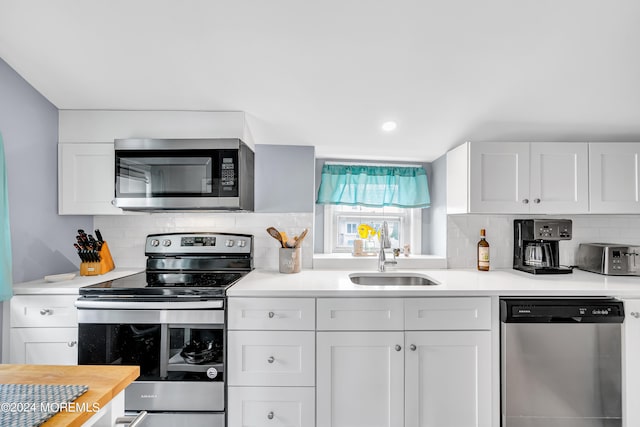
(561, 311)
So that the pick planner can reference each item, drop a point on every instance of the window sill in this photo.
(349, 262)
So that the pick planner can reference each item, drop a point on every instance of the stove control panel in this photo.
(198, 243)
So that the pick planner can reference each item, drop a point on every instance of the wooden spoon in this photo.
(300, 238)
(276, 235)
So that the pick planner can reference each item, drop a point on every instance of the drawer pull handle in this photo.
(271, 359)
(46, 311)
(398, 348)
(536, 200)
(271, 314)
(635, 314)
(525, 201)
(412, 347)
(270, 415)
(72, 343)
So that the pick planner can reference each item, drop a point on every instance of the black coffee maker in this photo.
(536, 245)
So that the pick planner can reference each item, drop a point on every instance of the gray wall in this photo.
(428, 246)
(41, 240)
(284, 182)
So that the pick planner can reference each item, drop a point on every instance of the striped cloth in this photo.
(29, 405)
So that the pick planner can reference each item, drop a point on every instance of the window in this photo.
(358, 198)
(342, 222)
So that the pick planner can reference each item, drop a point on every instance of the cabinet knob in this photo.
(270, 415)
(271, 314)
(398, 348)
(635, 314)
(72, 343)
(536, 200)
(46, 311)
(271, 359)
(412, 347)
(525, 201)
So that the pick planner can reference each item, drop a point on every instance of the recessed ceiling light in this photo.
(389, 126)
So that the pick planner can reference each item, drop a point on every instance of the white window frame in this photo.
(413, 228)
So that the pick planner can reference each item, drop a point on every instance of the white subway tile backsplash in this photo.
(126, 234)
(463, 235)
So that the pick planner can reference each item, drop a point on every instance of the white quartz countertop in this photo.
(70, 287)
(336, 283)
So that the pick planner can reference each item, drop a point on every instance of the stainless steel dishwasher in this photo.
(561, 362)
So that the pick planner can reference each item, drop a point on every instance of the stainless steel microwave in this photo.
(183, 174)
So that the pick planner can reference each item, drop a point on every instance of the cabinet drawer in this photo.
(271, 358)
(45, 311)
(447, 313)
(272, 406)
(272, 313)
(360, 314)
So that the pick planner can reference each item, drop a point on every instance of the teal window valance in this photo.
(374, 186)
(6, 280)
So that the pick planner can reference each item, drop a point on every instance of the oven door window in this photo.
(106, 344)
(194, 173)
(195, 354)
(163, 352)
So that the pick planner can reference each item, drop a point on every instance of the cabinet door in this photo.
(448, 379)
(44, 346)
(360, 379)
(614, 178)
(86, 179)
(631, 364)
(559, 178)
(499, 177)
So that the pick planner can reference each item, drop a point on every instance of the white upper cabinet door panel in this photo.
(86, 183)
(559, 178)
(614, 183)
(499, 177)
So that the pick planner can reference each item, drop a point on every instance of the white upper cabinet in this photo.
(86, 184)
(614, 178)
(499, 177)
(559, 177)
(518, 178)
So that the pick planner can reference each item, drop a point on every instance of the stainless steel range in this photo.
(169, 320)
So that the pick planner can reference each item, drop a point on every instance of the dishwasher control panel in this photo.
(562, 311)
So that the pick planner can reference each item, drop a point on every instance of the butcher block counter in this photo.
(105, 383)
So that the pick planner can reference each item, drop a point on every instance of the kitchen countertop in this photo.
(336, 283)
(104, 382)
(70, 287)
(508, 282)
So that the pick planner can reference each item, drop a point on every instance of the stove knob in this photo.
(155, 242)
(228, 243)
(166, 242)
(241, 243)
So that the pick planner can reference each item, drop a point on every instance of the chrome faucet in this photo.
(384, 243)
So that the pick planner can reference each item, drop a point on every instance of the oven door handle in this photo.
(148, 305)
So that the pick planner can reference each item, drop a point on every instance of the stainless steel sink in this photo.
(392, 279)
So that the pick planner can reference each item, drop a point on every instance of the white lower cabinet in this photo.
(360, 379)
(370, 362)
(409, 377)
(271, 406)
(43, 329)
(44, 346)
(447, 379)
(271, 361)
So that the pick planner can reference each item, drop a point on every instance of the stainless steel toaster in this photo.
(610, 259)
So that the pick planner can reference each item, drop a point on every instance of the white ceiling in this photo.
(328, 73)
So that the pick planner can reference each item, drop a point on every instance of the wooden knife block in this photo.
(96, 268)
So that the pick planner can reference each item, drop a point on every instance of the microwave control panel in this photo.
(228, 182)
